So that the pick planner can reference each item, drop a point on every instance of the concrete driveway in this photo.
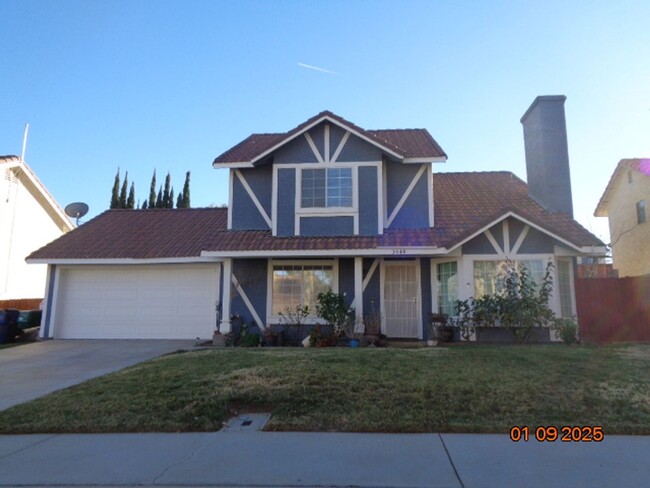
(34, 370)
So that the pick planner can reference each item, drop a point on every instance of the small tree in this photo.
(130, 201)
(123, 197)
(333, 309)
(184, 201)
(115, 195)
(165, 195)
(152, 191)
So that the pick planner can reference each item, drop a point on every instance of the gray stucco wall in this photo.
(537, 242)
(357, 149)
(286, 202)
(482, 245)
(252, 277)
(326, 226)
(296, 151)
(346, 279)
(368, 203)
(245, 215)
(371, 295)
(415, 211)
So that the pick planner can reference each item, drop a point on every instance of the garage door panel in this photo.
(148, 302)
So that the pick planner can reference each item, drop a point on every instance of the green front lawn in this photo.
(456, 389)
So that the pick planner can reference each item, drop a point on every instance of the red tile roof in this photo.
(409, 143)
(464, 204)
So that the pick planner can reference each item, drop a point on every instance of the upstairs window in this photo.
(328, 187)
(640, 212)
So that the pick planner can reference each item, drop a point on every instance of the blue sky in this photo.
(171, 85)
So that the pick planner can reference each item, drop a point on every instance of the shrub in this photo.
(520, 306)
(567, 330)
(248, 339)
(333, 309)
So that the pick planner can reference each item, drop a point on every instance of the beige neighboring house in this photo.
(625, 203)
(29, 219)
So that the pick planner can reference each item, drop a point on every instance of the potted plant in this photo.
(270, 337)
(439, 331)
(372, 328)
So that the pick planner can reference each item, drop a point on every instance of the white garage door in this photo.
(137, 302)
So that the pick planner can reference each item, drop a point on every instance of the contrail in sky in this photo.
(316, 68)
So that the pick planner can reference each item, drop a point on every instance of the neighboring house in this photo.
(326, 205)
(29, 219)
(625, 203)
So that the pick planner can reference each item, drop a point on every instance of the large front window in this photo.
(326, 187)
(297, 284)
(490, 276)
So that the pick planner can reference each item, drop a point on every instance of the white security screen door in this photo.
(401, 301)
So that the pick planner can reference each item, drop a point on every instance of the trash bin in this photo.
(8, 325)
(29, 318)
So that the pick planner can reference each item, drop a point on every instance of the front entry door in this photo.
(402, 299)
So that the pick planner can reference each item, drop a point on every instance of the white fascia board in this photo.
(40, 188)
(198, 259)
(241, 164)
(437, 159)
(525, 221)
(595, 251)
(400, 157)
(382, 251)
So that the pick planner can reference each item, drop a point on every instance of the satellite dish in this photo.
(76, 210)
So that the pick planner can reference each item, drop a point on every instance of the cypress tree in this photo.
(186, 191)
(152, 191)
(165, 198)
(170, 203)
(159, 199)
(115, 198)
(130, 202)
(144, 205)
(179, 201)
(122, 203)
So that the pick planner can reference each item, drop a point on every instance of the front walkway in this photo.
(264, 459)
(33, 370)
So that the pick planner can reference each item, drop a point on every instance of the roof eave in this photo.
(538, 227)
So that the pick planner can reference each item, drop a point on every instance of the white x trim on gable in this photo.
(304, 130)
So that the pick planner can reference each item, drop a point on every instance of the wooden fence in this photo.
(614, 309)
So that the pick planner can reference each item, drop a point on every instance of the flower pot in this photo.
(218, 340)
(354, 342)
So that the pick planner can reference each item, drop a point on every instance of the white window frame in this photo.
(326, 171)
(312, 318)
(435, 284)
(572, 290)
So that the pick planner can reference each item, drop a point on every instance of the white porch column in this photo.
(358, 291)
(225, 300)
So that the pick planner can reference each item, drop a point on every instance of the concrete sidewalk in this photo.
(266, 459)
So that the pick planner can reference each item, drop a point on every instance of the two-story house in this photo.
(326, 205)
(625, 203)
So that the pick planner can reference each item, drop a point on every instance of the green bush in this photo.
(567, 330)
